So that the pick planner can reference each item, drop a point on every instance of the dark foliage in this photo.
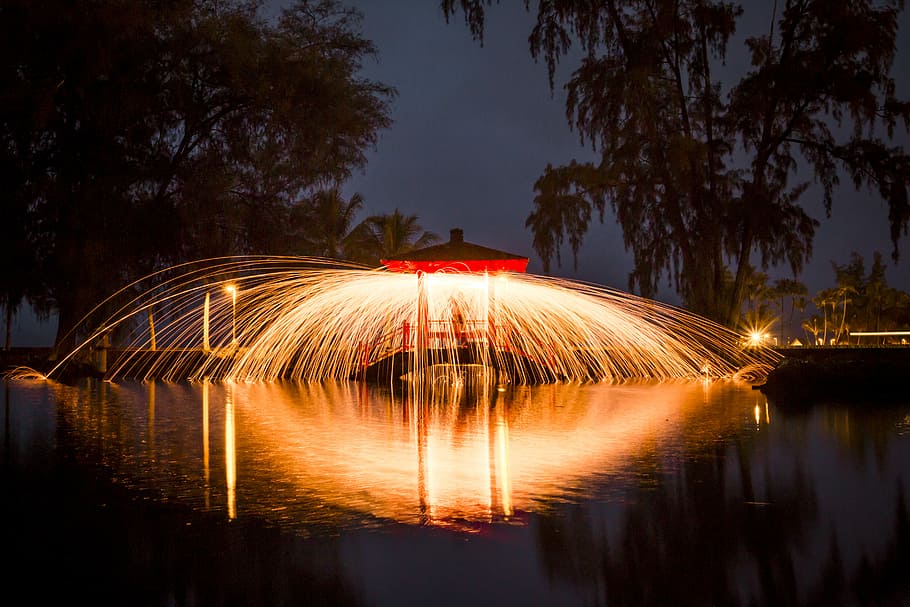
(140, 134)
(701, 173)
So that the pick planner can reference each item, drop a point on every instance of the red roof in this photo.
(457, 256)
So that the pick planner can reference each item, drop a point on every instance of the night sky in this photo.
(475, 126)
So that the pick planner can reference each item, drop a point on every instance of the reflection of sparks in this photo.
(303, 319)
(24, 373)
(757, 415)
(352, 449)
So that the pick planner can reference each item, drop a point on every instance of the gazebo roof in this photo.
(457, 256)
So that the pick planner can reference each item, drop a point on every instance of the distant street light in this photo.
(233, 291)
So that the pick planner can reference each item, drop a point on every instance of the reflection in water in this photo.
(230, 452)
(627, 494)
(205, 441)
(366, 454)
(501, 449)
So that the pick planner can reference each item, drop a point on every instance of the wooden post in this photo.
(102, 354)
(491, 322)
(405, 336)
(152, 343)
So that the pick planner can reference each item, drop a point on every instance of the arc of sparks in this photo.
(262, 318)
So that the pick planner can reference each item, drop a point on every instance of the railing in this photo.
(439, 333)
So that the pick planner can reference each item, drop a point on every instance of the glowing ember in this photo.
(264, 318)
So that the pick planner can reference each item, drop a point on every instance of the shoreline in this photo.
(839, 374)
(803, 377)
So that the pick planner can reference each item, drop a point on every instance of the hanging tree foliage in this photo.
(701, 174)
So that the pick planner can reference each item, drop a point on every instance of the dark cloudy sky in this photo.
(475, 127)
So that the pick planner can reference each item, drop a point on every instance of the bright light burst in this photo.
(265, 318)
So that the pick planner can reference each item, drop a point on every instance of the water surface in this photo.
(346, 493)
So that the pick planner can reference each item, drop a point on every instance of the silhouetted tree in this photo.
(156, 132)
(383, 236)
(326, 220)
(699, 181)
(822, 300)
(874, 305)
(18, 263)
(782, 289)
(812, 326)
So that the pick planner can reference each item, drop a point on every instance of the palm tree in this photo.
(383, 236)
(756, 290)
(327, 220)
(811, 326)
(823, 299)
(783, 288)
(842, 293)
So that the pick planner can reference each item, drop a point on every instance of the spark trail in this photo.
(263, 318)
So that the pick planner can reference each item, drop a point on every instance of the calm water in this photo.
(348, 494)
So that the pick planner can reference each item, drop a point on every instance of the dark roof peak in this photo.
(454, 254)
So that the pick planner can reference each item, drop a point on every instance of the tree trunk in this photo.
(742, 262)
(71, 317)
(9, 326)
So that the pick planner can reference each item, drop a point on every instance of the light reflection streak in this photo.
(230, 451)
(151, 413)
(205, 441)
(502, 465)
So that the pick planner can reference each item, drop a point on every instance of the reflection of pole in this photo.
(500, 473)
(205, 324)
(205, 436)
(491, 457)
(423, 466)
(230, 453)
(151, 413)
(418, 358)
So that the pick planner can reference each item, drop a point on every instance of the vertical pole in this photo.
(364, 359)
(418, 359)
(405, 336)
(491, 322)
(152, 343)
(205, 324)
(234, 317)
(102, 355)
(9, 325)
